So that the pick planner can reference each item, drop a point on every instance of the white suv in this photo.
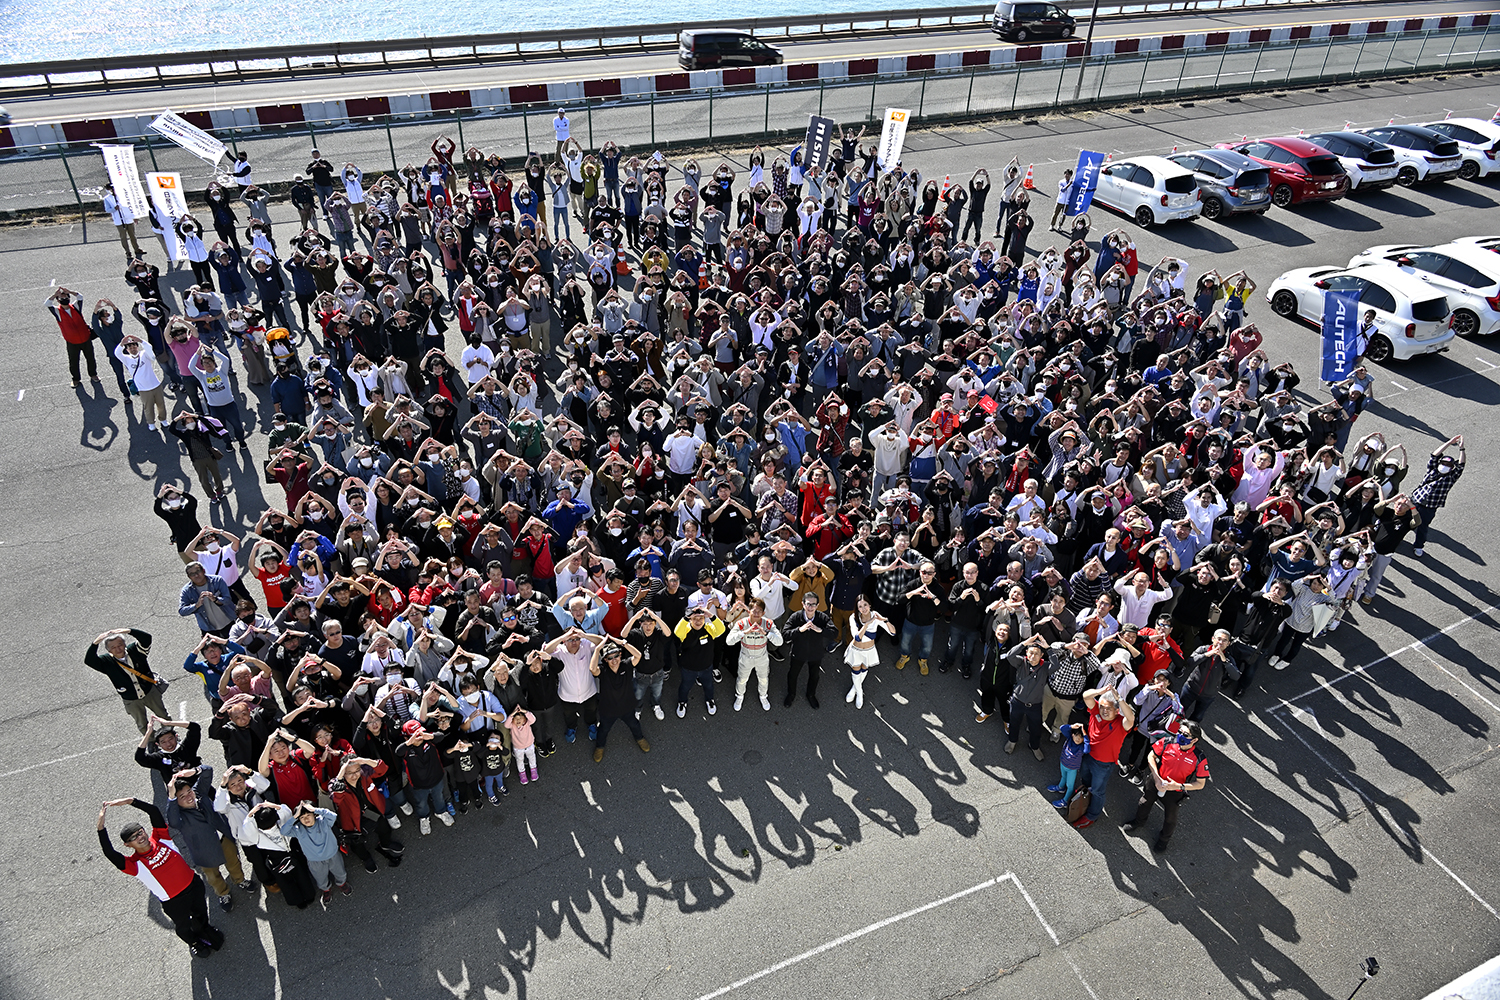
(1467, 274)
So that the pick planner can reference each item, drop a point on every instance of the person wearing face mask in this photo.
(1431, 493)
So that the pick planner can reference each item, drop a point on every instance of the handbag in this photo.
(1214, 611)
(1079, 804)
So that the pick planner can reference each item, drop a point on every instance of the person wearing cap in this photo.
(1177, 767)
(156, 861)
(206, 839)
(1110, 721)
(617, 697)
(426, 780)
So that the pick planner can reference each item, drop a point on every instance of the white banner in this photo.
(120, 162)
(189, 136)
(892, 137)
(166, 192)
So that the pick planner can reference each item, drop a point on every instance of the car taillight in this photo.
(1411, 329)
(1197, 195)
(1494, 301)
(1164, 200)
(1234, 192)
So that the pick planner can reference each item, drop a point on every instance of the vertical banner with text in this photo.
(892, 138)
(119, 161)
(1340, 331)
(166, 193)
(819, 142)
(1085, 182)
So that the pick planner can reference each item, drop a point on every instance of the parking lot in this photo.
(893, 852)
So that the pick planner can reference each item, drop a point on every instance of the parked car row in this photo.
(1421, 297)
(1250, 176)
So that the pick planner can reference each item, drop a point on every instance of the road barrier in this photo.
(720, 109)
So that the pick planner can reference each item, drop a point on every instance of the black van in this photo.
(1026, 21)
(715, 49)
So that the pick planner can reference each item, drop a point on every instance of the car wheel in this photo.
(1380, 349)
(1021, 35)
(1406, 176)
(1465, 323)
(1284, 303)
(1067, 32)
(1469, 170)
(1281, 195)
(1212, 208)
(1144, 217)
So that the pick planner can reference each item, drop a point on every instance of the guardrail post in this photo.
(922, 97)
(312, 134)
(458, 114)
(1256, 68)
(820, 97)
(1015, 90)
(1224, 54)
(392, 143)
(1103, 73)
(653, 113)
(525, 128)
(1387, 64)
(151, 151)
(1140, 88)
(62, 151)
(1479, 49)
(766, 127)
(710, 115)
(1360, 54)
(1183, 69)
(588, 107)
(1326, 53)
(873, 81)
(1061, 73)
(1451, 47)
(969, 101)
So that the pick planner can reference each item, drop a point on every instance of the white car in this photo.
(1149, 189)
(1421, 154)
(1478, 144)
(1370, 163)
(1467, 274)
(1411, 317)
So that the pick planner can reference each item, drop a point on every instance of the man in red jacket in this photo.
(362, 810)
(67, 309)
(155, 860)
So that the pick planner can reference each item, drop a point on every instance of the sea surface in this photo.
(42, 30)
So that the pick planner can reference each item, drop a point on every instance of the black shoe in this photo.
(200, 950)
(479, 803)
(812, 700)
(787, 701)
(463, 807)
(504, 790)
(966, 673)
(370, 866)
(1159, 847)
(943, 668)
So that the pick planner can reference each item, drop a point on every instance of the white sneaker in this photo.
(425, 825)
(406, 808)
(394, 822)
(713, 708)
(765, 703)
(682, 709)
(739, 703)
(150, 427)
(444, 818)
(659, 713)
(1417, 551)
(1279, 663)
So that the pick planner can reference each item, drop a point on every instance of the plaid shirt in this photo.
(1066, 674)
(1433, 490)
(892, 587)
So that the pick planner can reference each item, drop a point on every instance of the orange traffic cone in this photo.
(947, 183)
(1026, 183)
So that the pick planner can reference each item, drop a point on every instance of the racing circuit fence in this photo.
(52, 175)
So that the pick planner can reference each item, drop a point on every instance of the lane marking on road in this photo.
(357, 69)
(1398, 385)
(71, 756)
(1424, 852)
(1327, 685)
(1471, 689)
(896, 919)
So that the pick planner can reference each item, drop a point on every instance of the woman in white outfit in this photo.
(861, 654)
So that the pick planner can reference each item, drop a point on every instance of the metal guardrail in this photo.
(763, 114)
(252, 62)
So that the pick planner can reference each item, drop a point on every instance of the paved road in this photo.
(746, 843)
(371, 84)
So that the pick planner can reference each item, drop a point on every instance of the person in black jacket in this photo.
(812, 634)
(539, 695)
(163, 752)
(1211, 663)
(244, 724)
(967, 599)
(616, 693)
(997, 676)
(124, 661)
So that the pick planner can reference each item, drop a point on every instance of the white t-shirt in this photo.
(477, 362)
(575, 684)
(560, 127)
(681, 451)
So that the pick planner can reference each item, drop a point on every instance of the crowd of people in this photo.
(708, 425)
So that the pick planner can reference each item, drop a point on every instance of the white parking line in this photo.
(888, 921)
(1472, 690)
(71, 756)
(1425, 852)
(1327, 685)
(1398, 385)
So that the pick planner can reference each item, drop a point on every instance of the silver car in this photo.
(1231, 183)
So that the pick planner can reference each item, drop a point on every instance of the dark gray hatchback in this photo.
(1231, 183)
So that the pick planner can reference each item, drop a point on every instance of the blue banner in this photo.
(1085, 182)
(1340, 334)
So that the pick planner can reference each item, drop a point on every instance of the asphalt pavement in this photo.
(889, 852)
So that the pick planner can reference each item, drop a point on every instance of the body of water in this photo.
(40, 30)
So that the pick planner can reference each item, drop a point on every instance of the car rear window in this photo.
(1448, 148)
(1181, 184)
(1324, 166)
(1254, 179)
(1430, 310)
(1381, 157)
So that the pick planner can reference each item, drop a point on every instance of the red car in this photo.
(1300, 170)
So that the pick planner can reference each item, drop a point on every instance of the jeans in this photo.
(691, 677)
(427, 801)
(654, 683)
(631, 723)
(229, 415)
(919, 636)
(966, 639)
(1031, 715)
(1378, 566)
(1427, 514)
(1096, 773)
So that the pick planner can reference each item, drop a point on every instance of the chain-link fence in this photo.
(56, 176)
